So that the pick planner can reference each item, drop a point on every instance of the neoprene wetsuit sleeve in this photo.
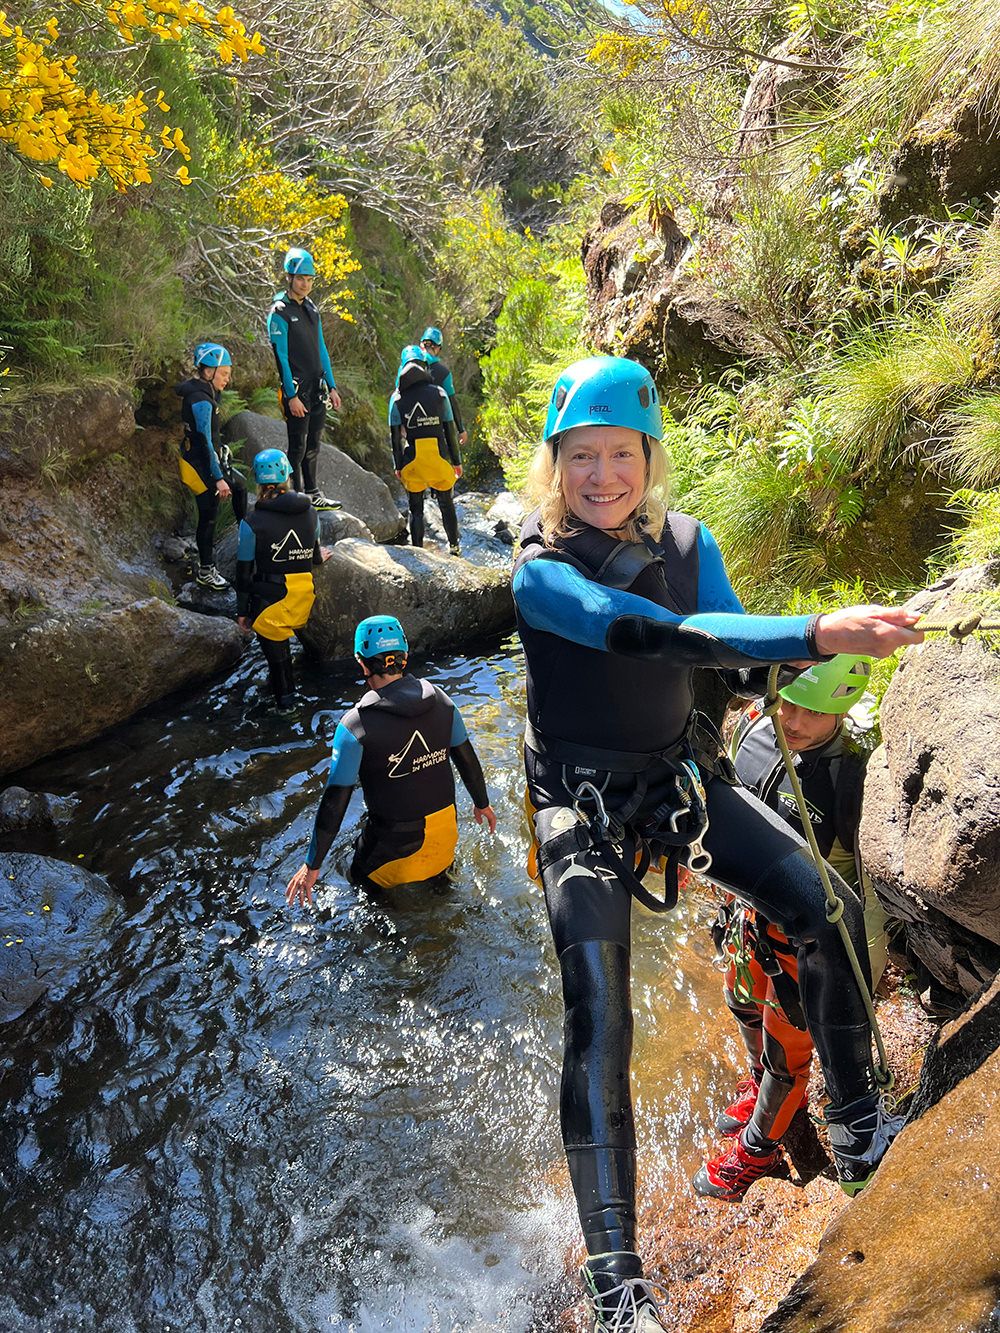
(345, 765)
(277, 331)
(246, 554)
(554, 596)
(324, 355)
(450, 434)
(470, 770)
(396, 433)
(202, 413)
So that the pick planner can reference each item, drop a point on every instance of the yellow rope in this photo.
(959, 627)
(834, 905)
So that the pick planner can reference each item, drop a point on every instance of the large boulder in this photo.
(358, 490)
(55, 920)
(930, 834)
(21, 810)
(919, 1250)
(68, 677)
(443, 601)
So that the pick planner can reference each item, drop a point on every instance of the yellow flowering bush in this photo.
(49, 118)
(267, 203)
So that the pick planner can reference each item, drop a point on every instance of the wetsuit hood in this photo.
(195, 387)
(413, 373)
(410, 696)
(288, 502)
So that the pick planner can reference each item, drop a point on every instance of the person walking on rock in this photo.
(205, 464)
(617, 602)
(425, 450)
(762, 979)
(295, 329)
(277, 549)
(399, 742)
(431, 341)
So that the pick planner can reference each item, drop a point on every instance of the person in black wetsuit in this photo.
(205, 464)
(431, 341)
(295, 329)
(400, 742)
(425, 451)
(277, 549)
(617, 601)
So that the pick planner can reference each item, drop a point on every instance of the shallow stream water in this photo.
(249, 1117)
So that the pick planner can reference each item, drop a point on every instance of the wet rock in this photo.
(209, 601)
(55, 920)
(99, 670)
(506, 509)
(360, 492)
(443, 601)
(959, 1048)
(22, 809)
(930, 833)
(919, 1249)
(55, 432)
(178, 550)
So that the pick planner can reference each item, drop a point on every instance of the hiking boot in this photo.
(209, 577)
(729, 1176)
(739, 1113)
(321, 501)
(860, 1135)
(623, 1300)
(454, 549)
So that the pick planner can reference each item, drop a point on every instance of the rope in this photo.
(834, 905)
(960, 627)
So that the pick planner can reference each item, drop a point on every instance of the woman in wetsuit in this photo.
(617, 601)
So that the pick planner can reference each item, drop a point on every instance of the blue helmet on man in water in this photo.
(271, 467)
(379, 636)
(604, 391)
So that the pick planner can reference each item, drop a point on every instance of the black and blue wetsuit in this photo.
(441, 376)
(425, 449)
(203, 462)
(612, 631)
(399, 742)
(295, 329)
(278, 547)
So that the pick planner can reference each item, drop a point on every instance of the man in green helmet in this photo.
(762, 987)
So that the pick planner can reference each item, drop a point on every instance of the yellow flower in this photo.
(46, 181)
(183, 175)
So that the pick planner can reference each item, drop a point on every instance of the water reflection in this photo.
(261, 1119)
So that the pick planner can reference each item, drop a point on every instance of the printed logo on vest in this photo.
(415, 756)
(289, 548)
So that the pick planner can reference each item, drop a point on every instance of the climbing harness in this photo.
(834, 905)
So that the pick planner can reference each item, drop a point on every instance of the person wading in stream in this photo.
(295, 329)
(205, 465)
(425, 449)
(277, 549)
(762, 977)
(617, 601)
(430, 342)
(399, 741)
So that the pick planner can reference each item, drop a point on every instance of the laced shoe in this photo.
(209, 577)
(730, 1175)
(739, 1112)
(623, 1300)
(860, 1135)
(321, 501)
(454, 549)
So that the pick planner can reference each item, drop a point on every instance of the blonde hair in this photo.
(545, 490)
(267, 490)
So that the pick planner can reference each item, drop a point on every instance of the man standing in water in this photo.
(295, 329)
(399, 741)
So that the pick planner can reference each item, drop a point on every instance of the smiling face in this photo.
(603, 473)
(804, 728)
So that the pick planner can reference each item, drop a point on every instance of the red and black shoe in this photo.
(737, 1114)
(730, 1176)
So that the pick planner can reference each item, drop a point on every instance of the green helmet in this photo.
(830, 687)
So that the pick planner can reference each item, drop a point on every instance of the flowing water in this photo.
(249, 1117)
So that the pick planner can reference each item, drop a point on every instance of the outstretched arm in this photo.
(345, 765)
(470, 770)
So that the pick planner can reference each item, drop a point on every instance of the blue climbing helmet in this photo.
(412, 353)
(271, 467)
(299, 263)
(211, 354)
(431, 335)
(378, 636)
(604, 391)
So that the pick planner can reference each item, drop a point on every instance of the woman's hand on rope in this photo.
(876, 631)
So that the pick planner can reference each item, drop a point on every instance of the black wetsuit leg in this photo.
(316, 420)
(446, 503)
(239, 489)
(756, 855)
(415, 499)
(278, 656)
(208, 508)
